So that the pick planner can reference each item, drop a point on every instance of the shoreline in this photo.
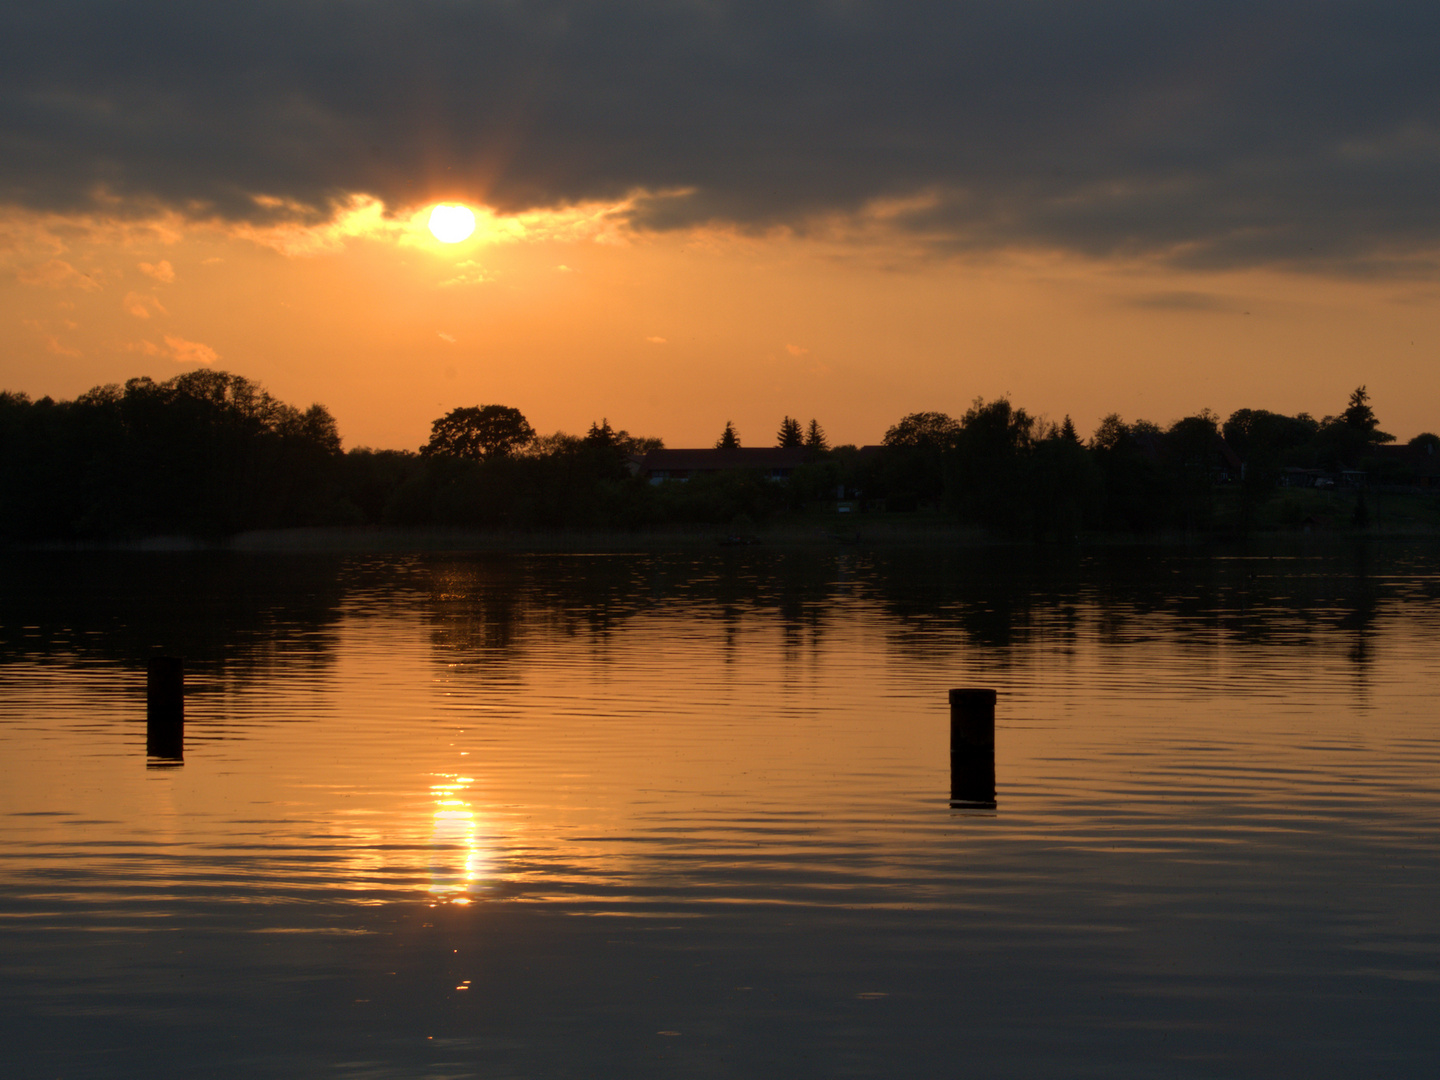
(368, 539)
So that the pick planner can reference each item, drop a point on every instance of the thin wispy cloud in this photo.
(54, 345)
(57, 274)
(470, 273)
(1185, 300)
(51, 341)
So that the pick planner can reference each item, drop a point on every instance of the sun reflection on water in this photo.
(459, 865)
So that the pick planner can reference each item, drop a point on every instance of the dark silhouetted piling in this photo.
(165, 708)
(972, 749)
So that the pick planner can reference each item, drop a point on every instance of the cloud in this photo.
(57, 274)
(447, 337)
(471, 273)
(656, 341)
(161, 271)
(1185, 300)
(796, 350)
(139, 305)
(1205, 135)
(177, 349)
(52, 343)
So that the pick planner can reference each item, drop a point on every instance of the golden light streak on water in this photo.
(458, 861)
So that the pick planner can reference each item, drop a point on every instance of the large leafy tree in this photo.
(924, 431)
(481, 432)
(1260, 436)
(987, 471)
(1112, 434)
(1265, 441)
(204, 453)
(909, 472)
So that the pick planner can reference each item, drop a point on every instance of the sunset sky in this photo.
(707, 211)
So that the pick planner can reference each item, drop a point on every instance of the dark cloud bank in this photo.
(1210, 132)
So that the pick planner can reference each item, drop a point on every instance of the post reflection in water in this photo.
(458, 865)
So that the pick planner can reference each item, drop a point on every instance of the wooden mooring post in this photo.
(165, 708)
(972, 749)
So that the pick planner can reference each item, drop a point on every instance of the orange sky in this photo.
(728, 211)
(571, 316)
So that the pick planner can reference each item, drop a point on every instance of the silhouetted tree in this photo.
(480, 432)
(1259, 435)
(790, 434)
(1361, 417)
(729, 438)
(606, 450)
(909, 471)
(601, 435)
(1343, 440)
(1133, 491)
(639, 444)
(1264, 441)
(1190, 454)
(205, 452)
(1064, 485)
(1111, 433)
(815, 440)
(987, 471)
(924, 431)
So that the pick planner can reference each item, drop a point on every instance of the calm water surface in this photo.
(687, 814)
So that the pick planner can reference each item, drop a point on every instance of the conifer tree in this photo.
(1360, 418)
(790, 434)
(601, 434)
(815, 440)
(729, 438)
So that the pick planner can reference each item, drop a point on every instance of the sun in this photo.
(451, 222)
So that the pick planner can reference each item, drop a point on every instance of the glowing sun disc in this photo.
(451, 223)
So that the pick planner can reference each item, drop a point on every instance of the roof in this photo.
(765, 457)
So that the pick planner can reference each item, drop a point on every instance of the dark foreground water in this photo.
(686, 815)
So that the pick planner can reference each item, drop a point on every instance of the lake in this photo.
(687, 813)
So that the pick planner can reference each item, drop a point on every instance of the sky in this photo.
(705, 211)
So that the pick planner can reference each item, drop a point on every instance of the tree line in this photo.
(208, 453)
